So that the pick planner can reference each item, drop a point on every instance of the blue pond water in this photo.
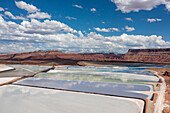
(129, 81)
(123, 69)
(118, 89)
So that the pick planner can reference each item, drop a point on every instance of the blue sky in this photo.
(84, 25)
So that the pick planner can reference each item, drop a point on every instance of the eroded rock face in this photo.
(148, 55)
(149, 50)
(133, 55)
(55, 55)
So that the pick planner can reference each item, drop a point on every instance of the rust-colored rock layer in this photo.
(57, 57)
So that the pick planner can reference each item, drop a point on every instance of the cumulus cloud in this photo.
(78, 6)
(70, 18)
(9, 14)
(93, 42)
(31, 35)
(127, 6)
(80, 34)
(153, 20)
(129, 19)
(28, 7)
(1, 9)
(129, 29)
(13, 17)
(114, 29)
(158, 20)
(45, 27)
(101, 30)
(167, 4)
(19, 47)
(39, 15)
(93, 9)
(106, 30)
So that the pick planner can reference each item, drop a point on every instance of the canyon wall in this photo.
(148, 55)
(133, 55)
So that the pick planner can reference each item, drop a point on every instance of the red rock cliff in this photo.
(148, 55)
(133, 55)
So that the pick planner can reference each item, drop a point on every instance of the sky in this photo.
(84, 26)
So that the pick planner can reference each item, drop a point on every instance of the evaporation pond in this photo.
(116, 75)
(113, 68)
(107, 88)
(22, 99)
(31, 68)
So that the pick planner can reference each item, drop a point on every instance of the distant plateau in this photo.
(54, 57)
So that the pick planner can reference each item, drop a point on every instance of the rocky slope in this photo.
(57, 57)
(148, 55)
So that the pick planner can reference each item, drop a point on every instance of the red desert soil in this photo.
(167, 93)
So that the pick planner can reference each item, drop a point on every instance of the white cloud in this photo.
(129, 19)
(93, 9)
(13, 17)
(158, 20)
(9, 14)
(80, 34)
(71, 18)
(114, 29)
(129, 29)
(103, 22)
(32, 9)
(127, 6)
(101, 30)
(98, 43)
(28, 7)
(39, 15)
(45, 27)
(20, 18)
(167, 4)
(153, 20)
(33, 35)
(106, 30)
(78, 6)
(1, 9)
(19, 47)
